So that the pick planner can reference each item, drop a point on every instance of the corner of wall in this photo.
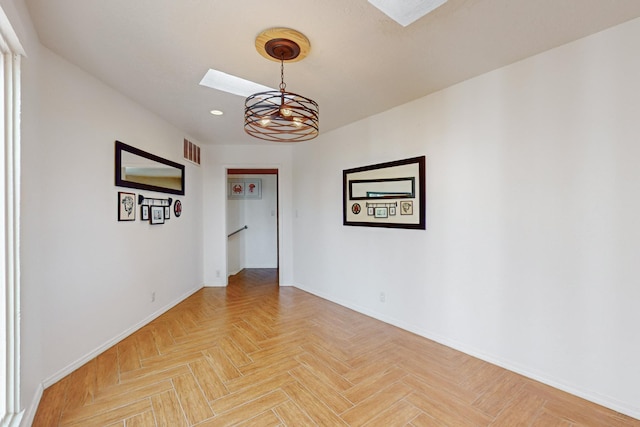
(29, 413)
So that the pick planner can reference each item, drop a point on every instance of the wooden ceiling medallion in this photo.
(274, 42)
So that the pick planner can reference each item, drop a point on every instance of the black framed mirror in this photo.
(136, 168)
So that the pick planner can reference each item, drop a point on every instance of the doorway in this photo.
(252, 220)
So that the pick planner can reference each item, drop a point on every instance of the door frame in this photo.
(12, 52)
(259, 171)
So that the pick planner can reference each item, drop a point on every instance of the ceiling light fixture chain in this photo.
(283, 85)
(281, 116)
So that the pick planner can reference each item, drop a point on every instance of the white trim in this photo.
(11, 50)
(9, 41)
(30, 412)
(101, 349)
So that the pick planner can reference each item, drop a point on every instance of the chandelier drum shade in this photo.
(281, 116)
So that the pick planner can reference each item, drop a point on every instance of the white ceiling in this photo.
(361, 61)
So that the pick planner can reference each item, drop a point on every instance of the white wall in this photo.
(236, 244)
(87, 278)
(530, 257)
(218, 159)
(97, 274)
(257, 246)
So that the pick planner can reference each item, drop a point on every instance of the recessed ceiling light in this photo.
(405, 12)
(227, 83)
(216, 112)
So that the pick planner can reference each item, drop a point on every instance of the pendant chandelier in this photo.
(281, 116)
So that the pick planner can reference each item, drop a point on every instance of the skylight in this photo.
(227, 83)
(405, 12)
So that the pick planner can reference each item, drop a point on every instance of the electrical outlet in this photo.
(383, 297)
(153, 296)
(217, 273)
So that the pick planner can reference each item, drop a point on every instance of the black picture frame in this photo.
(144, 212)
(157, 214)
(126, 206)
(167, 212)
(374, 195)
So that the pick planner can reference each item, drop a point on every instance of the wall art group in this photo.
(388, 194)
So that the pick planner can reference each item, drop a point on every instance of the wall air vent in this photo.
(191, 152)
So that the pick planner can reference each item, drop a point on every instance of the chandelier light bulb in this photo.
(286, 112)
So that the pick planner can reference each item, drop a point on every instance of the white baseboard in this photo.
(92, 354)
(605, 401)
(234, 272)
(30, 412)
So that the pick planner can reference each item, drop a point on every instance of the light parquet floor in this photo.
(254, 354)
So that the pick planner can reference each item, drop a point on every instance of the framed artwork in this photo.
(244, 188)
(177, 208)
(381, 212)
(144, 212)
(406, 207)
(126, 206)
(157, 214)
(235, 189)
(372, 195)
(167, 212)
(253, 188)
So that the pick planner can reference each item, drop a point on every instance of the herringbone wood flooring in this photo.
(254, 354)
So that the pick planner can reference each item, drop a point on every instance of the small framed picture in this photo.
(381, 213)
(253, 189)
(157, 214)
(167, 212)
(406, 208)
(144, 212)
(126, 206)
(177, 208)
(236, 189)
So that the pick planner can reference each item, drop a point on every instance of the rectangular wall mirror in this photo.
(136, 168)
(382, 188)
(388, 194)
